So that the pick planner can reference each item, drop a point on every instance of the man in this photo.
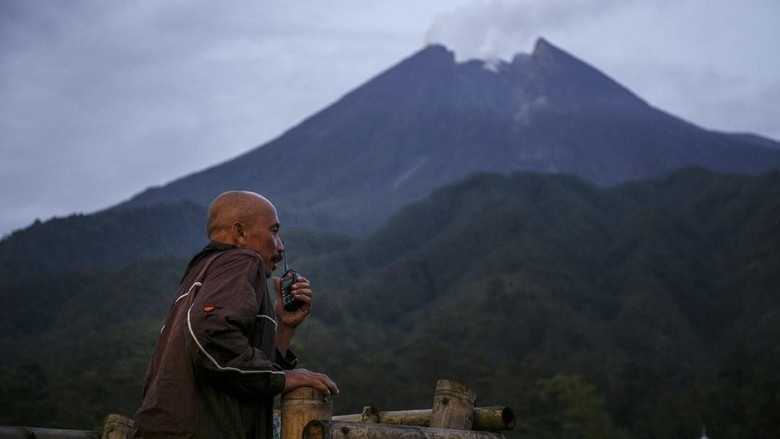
(223, 352)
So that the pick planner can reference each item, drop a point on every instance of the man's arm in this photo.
(287, 322)
(219, 321)
(295, 378)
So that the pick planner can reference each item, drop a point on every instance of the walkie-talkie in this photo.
(288, 279)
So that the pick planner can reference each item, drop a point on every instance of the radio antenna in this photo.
(284, 256)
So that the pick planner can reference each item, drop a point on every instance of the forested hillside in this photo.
(646, 310)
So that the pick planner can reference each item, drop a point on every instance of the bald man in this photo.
(223, 351)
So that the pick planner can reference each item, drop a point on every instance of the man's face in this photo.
(262, 236)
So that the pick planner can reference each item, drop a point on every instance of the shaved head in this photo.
(246, 220)
(234, 207)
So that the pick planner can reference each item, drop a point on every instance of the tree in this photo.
(24, 396)
(565, 406)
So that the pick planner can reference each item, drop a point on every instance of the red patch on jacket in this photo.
(208, 308)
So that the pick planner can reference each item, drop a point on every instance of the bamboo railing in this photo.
(453, 416)
(306, 413)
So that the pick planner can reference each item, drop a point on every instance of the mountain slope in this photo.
(429, 121)
(657, 294)
(646, 289)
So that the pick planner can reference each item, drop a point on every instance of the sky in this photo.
(100, 99)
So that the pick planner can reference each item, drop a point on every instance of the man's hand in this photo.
(301, 291)
(295, 378)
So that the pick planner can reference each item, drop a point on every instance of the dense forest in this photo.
(646, 310)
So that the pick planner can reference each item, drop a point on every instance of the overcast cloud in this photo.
(102, 99)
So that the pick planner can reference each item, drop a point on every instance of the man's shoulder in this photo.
(237, 254)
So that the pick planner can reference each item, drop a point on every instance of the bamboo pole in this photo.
(453, 406)
(45, 433)
(117, 427)
(300, 406)
(496, 418)
(361, 430)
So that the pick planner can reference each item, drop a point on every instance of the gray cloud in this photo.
(699, 59)
(501, 28)
(103, 99)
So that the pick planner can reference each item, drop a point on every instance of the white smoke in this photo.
(491, 29)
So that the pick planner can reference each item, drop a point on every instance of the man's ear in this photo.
(239, 235)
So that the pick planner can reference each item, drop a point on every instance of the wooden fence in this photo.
(306, 413)
(115, 427)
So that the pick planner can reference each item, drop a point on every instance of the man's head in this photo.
(246, 220)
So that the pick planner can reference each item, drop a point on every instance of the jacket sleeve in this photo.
(220, 322)
(287, 362)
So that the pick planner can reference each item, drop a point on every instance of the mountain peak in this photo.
(542, 46)
(571, 80)
(429, 120)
